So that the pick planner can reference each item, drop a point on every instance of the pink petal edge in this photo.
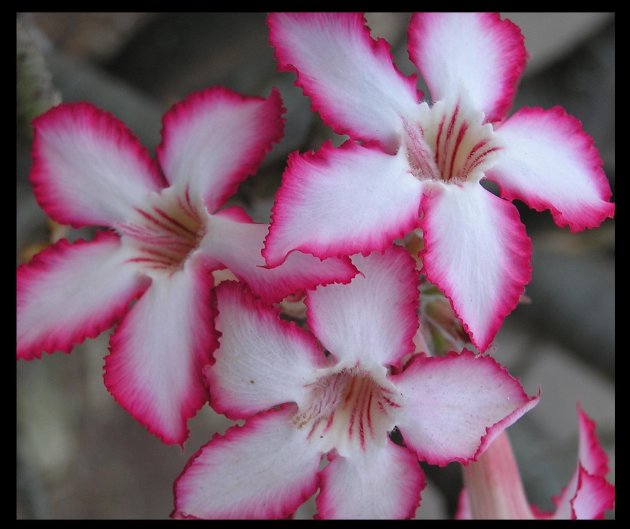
(408, 485)
(504, 34)
(198, 393)
(590, 217)
(235, 213)
(280, 214)
(272, 130)
(492, 431)
(380, 48)
(237, 244)
(592, 455)
(42, 179)
(520, 248)
(237, 431)
(405, 308)
(40, 263)
(232, 289)
(594, 496)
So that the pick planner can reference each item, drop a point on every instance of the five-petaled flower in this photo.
(300, 403)
(494, 488)
(421, 166)
(168, 235)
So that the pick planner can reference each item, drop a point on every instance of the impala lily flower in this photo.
(300, 403)
(88, 169)
(421, 165)
(494, 488)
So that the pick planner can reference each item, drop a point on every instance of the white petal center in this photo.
(165, 232)
(449, 143)
(348, 409)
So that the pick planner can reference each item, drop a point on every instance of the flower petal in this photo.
(88, 168)
(216, 138)
(593, 498)
(236, 214)
(264, 469)
(378, 484)
(591, 454)
(494, 489)
(159, 349)
(373, 319)
(477, 252)
(261, 361)
(70, 292)
(454, 406)
(549, 162)
(591, 471)
(238, 245)
(463, 511)
(350, 78)
(477, 55)
(341, 201)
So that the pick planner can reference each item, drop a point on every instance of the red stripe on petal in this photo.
(476, 54)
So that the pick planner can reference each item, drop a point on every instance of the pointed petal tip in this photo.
(157, 353)
(215, 138)
(367, 101)
(551, 163)
(55, 279)
(217, 481)
(496, 429)
(594, 496)
(443, 387)
(88, 168)
(478, 53)
(591, 453)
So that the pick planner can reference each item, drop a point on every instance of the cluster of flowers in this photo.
(336, 387)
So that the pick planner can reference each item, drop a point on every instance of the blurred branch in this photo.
(34, 87)
(28, 488)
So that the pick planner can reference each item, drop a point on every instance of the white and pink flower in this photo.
(301, 400)
(494, 489)
(409, 165)
(167, 236)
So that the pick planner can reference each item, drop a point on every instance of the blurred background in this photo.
(79, 455)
